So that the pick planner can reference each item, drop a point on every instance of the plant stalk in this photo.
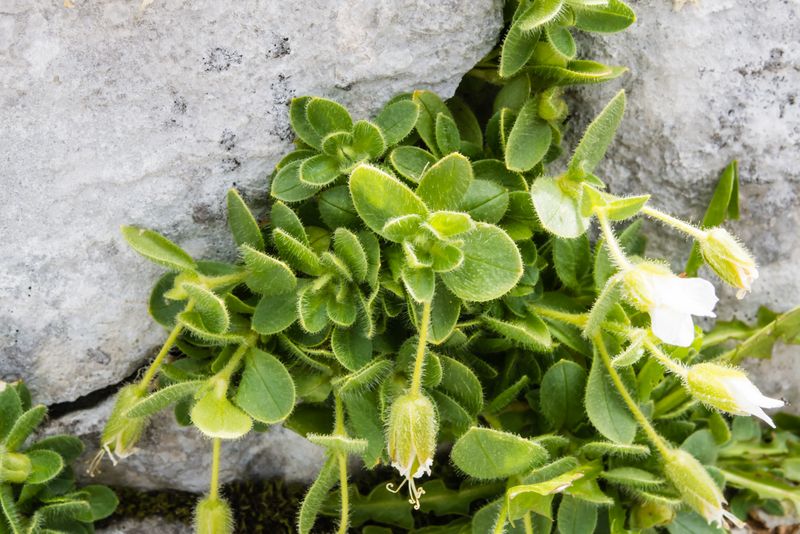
(213, 490)
(676, 223)
(150, 374)
(416, 379)
(613, 246)
(662, 446)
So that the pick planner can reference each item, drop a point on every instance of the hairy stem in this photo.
(577, 319)
(668, 363)
(676, 223)
(144, 383)
(612, 244)
(236, 359)
(527, 523)
(345, 492)
(657, 440)
(213, 490)
(416, 379)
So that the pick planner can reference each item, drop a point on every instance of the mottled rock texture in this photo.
(111, 114)
(716, 81)
(169, 456)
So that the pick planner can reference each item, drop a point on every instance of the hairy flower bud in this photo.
(728, 389)
(729, 259)
(15, 467)
(696, 487)
(413, 426)
(121, 433)
(645, 515)
(213, 515)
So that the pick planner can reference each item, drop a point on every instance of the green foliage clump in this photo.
(426, 277)
(38, 493)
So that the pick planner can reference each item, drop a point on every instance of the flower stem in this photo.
(614, 248)
(577, 319)
(233, 364)
(144, 383)
(667, 362)
(662, 446)
(416, 378)
(213, 491)
(676, 223)
(345, 493)
(527, 523)
(339, 430)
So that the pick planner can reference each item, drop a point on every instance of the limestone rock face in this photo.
(113, 114)
(169, 456)
(715, 81)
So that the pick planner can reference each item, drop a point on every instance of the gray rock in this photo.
(113, 114)
(146, 526)
(169, 456)
(716, 81)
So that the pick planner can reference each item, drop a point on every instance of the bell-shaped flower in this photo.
(670, 300)
(413, 426)
(729, 259)
(121, 433)
(696, 487)
(728, 389)
(213, 515)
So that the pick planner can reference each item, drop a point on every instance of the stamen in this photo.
(390, 486)
(114, 461)
(415, 493)
(94, 465)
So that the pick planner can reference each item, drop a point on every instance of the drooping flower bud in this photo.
(413, 426)
(670, 300)
(728, 389)
(121, 433)
(645, 515)
(696, 487)
(729, 259)
(15, 467)
(213, 515)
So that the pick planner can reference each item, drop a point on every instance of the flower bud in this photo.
(728, 389)
(15, 467)
(122, 433)
(413, 426)
(696, 487)
(729, 259)
(645, 515)
(213, 516)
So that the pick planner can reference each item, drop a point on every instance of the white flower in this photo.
(728, 389)
(670, 300)
(412, 430)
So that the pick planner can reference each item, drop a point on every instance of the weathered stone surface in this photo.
(714, 82)
(112, 114)
(145, 526)
(169, 456)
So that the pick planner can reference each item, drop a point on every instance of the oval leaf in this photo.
(266, 391)
(488, 454)
(492, 265)
(379, 197)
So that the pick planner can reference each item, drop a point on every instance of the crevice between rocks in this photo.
(92, 399)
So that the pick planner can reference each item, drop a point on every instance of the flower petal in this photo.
(689, 295)
(671, 326)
